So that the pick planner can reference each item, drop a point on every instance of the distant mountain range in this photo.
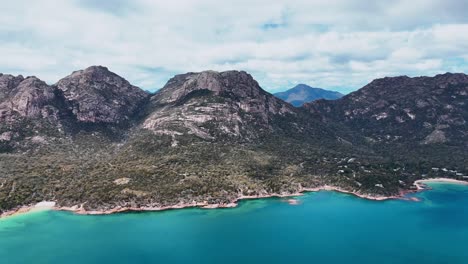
(93, 141)
(302, 93)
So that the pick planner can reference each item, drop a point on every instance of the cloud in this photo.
(116, 7)
(332, 44)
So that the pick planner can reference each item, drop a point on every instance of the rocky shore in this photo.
(79, 209)
(205, 205)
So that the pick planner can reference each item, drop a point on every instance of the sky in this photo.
(333, 44)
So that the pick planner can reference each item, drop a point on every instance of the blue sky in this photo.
(334, 44)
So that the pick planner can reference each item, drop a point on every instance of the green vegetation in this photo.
(85, 171)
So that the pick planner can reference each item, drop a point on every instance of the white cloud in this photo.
(332, 44)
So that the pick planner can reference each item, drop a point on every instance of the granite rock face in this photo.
(214, 104)
(425, 110)
(238, 85)
(8, 83)
(27, 97)
(211, 105)
(96, 95)
(32, 111)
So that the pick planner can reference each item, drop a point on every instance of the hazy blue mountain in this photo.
(302, 93)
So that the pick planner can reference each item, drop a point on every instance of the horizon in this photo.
(339, 45)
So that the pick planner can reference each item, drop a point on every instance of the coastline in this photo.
(231, 204)
(41, 206)
(79, 209)
(420, 184)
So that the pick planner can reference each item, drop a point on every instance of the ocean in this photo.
(325, 227)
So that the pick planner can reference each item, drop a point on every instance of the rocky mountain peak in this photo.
(236, 83)
(390, 84)
(209, 104)
(94, 72)
(420, 109)
(27, 97)
(237, 86)
(98, 95)
(452, 77)
(7, 83)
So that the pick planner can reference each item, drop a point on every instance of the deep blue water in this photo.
(327, 227)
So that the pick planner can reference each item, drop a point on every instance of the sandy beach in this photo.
(420, 184)
(45, 205)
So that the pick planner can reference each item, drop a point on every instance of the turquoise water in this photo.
(327, 227)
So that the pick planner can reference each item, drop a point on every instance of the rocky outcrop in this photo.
(426, 110)
(30, 112)
(237, 85)
(33, 112)
(96, 95)
(93, 95)
(29, 97)
(7, 84)
(214, 104)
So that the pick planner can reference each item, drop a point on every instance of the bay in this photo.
(325, 227)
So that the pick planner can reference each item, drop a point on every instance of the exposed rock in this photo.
(122, 181)
(404, 108)
(7, 84)
(29, 97)
(38, 139)
(212, 104)
(98, 95)
(237, 85)
(437, 136)
(6, 136)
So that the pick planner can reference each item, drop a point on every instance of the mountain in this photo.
(25, 97)
(94, 142)
(302, 93)
(426, 116)
(29, 111)
(97, 95)
(35, 112)
(211, 104)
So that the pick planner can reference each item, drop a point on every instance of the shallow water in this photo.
(326, 227)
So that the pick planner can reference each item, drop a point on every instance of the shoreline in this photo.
(234, 203)
(41, 206)
(79, 209)
(420, 184)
